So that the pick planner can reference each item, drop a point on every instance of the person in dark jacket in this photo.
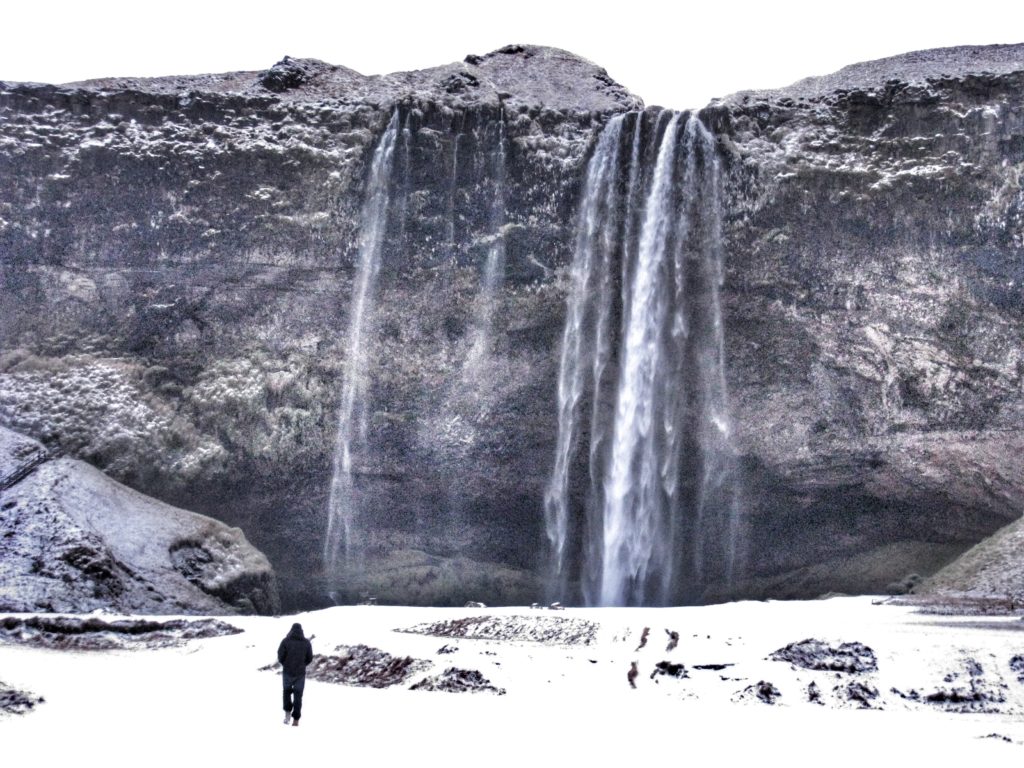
(294, 653)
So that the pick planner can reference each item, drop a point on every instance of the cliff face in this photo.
(876, 312)
(179, 259)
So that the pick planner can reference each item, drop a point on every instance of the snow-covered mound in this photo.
(95, 634)
(991, 571)
(75, 540)
(554, 630)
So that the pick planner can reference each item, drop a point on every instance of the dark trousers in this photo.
(293, 694)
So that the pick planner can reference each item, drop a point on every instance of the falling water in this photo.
(657, 521)
(494, 268)
(635, 519)
(341, 509)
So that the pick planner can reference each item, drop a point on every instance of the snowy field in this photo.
(929, 691)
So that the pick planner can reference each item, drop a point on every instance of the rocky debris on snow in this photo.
(454, 680)
(364, 666)
(15, 702)
(817, 655)
(632, 675)
(713, 667)
(814, 694)
(95, 634)
(858, 692)
(669, 669)
(446, 649)
(997, 737)
(1017, 667)
(474, 604)
(549, 630)
(74, 540)
(762, 690)
(967, 690)
(643, 637)
(673, 640)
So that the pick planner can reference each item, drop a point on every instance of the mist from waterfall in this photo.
(642, 505)
(341, 507)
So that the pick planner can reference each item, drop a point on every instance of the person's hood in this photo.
(296, 632)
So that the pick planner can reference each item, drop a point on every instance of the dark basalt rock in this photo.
(364, 666)
(669, 669)
(852, 658)
(454, 680)
(286, 75)
(15, 702)
(96, 634)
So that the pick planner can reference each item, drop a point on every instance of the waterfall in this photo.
(341, 508)
(494, 267)
(657, 520)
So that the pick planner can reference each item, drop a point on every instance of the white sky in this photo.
(672, 53)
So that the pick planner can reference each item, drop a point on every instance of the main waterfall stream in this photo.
(642, 504)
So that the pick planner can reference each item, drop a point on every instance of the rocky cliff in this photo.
(178, 260)
(75, 540)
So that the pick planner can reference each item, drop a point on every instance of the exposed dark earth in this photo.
(177, 262)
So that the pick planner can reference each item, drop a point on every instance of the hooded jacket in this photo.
(295, 652)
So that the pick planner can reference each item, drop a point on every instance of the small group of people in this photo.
(294, 653)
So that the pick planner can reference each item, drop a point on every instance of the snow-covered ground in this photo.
(207, 702)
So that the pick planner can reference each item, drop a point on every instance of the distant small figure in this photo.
(475, 604)
(643, 637)
(673, 639)
(295, 652)
(632, 675)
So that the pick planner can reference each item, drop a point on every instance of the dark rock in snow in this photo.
(967, 690)
(815, 654)
(858, 692)
(814, 694)
(673, 640)
(669, 669)
(364, 666)
(550, 630)
(454, 680)
(763, 691)
(96, 634)
(1017, 666)
(15, 702)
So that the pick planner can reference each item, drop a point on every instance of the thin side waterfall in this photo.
(494, 267)
(715, 429)
(642, 507)
(341, 508)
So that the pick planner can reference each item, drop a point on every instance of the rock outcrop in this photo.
(875, 310)
(177, 259)
(75, 540)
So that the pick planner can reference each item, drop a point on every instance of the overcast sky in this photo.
(678, 58)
